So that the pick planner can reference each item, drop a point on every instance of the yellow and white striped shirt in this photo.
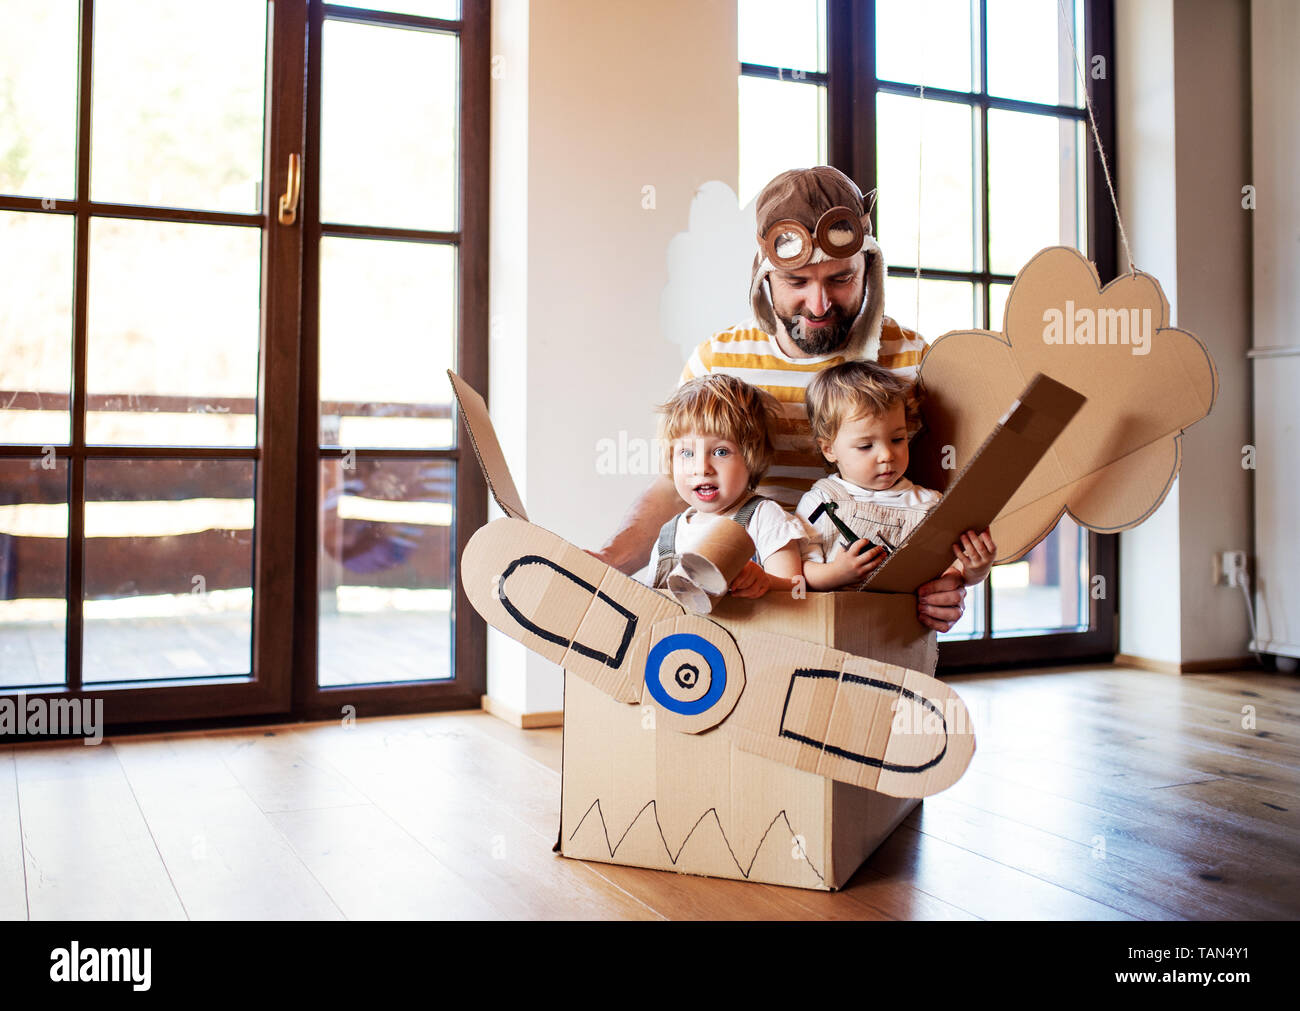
(748, 352)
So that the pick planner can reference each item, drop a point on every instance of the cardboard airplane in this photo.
(782, 739)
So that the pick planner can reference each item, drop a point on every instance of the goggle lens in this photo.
(789, 244)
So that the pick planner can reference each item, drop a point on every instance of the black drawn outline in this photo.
(629, 628)
(854, 756)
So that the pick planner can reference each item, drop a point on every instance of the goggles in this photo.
(789, 245)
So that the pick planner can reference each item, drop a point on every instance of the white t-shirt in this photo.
(903, 494)
(770, 528)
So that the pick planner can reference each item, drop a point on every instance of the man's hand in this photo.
(629, 548)
(941, 602)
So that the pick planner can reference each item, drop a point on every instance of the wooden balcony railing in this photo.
(361, 552)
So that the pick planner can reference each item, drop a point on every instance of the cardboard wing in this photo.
(847, 718)
(1145, 382)
(1015, 446)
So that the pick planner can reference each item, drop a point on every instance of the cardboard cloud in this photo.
(1145, 383)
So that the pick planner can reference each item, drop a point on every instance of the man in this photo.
(817, 293)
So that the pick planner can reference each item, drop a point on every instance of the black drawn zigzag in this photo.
(673, 857)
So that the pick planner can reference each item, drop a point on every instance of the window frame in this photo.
(852, 87)
(468, 660)
(150, 703)
(286, 454)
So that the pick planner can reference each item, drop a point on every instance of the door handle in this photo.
(289, 199)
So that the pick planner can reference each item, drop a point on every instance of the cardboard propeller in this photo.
(817, 709)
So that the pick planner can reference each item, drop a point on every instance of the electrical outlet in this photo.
(1229, 568)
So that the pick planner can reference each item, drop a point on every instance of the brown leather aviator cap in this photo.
(802, 200)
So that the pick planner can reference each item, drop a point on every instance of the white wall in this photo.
(593, 101)
(508, 662)
(1275, 89)
(1183, 139)
(1149, 559)
(1275, 35)
(1212, 146)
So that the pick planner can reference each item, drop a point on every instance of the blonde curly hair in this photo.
(726, 408)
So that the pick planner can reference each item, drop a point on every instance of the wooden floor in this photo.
(1095, 793)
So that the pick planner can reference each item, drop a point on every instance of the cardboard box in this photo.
(812, 730)
(696, 803)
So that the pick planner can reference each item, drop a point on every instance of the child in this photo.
(862, 416)
(715, 432)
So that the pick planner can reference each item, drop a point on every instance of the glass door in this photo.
(143, 508)
(219, 416)
(396, 213)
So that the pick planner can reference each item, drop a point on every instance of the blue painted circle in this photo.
(711, 655)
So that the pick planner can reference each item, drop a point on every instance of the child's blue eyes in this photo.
(717, 451)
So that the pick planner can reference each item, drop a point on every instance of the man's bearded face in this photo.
(818, 303)
(814, 339)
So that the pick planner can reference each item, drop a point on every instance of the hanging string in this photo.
(1096, 136)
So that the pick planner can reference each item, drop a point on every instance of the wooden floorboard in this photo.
(1095, 793)
(228, 860)
(484, 811)
(88, 851)
(13, 880)
(1191, 848)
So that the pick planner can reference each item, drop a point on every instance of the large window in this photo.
(782, 88)
(968, 119)
(241, 248)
